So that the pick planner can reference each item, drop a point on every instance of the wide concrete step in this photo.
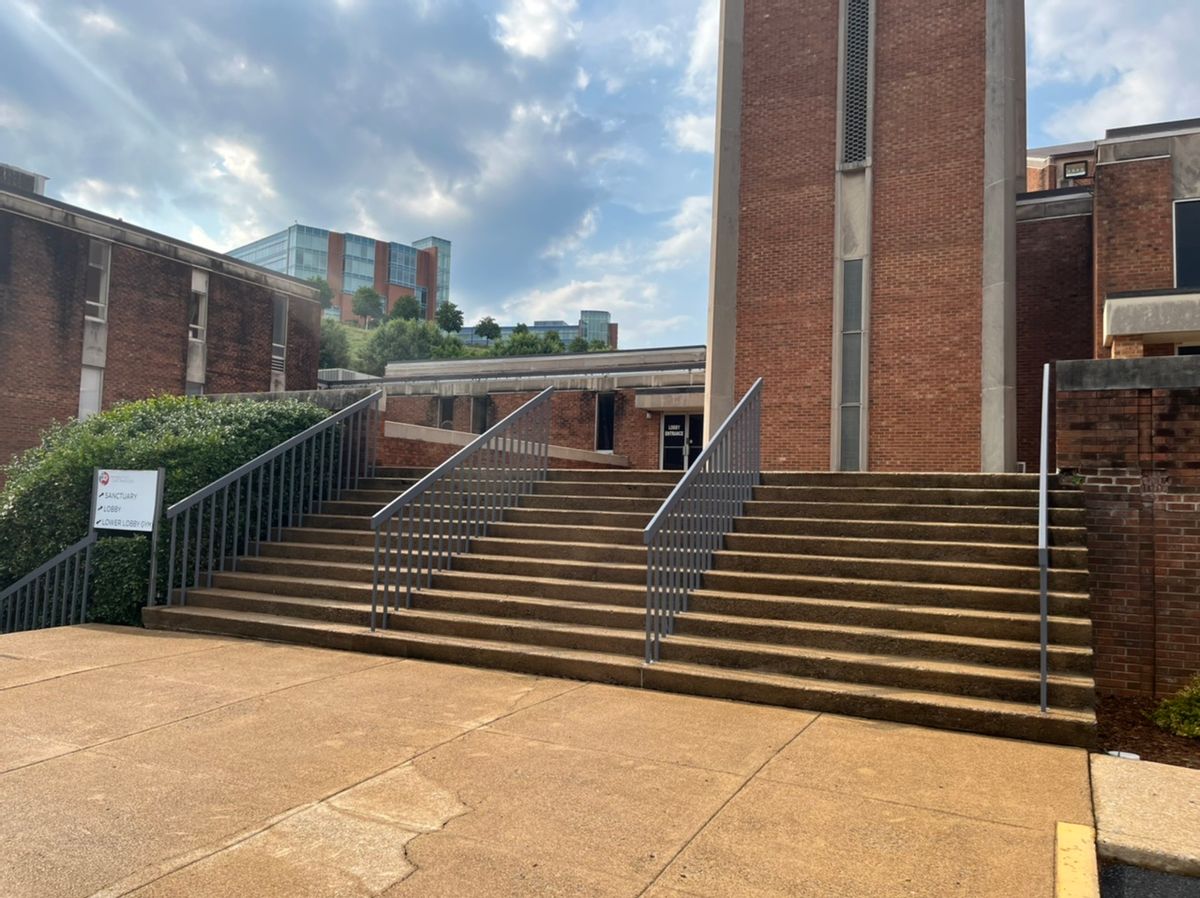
(969, 713)
(613, 536)
(561, 550)
(940, 595)
(933, 531)
(393, 485)
(312, 587)
(952, 573)
(300, 568)
(577, 517)
(944, 514)
(556, 588)
(879, 495)
(583, 571)
(1072, 558)
(346, 536)
(577, 501)
(915, 480)
(588, 475)
(930, 619)
(394, 473)
(614, 489)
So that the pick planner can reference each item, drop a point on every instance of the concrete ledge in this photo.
(400, 431)
(1166, 373)
(1156, 318)
(1076, 873)
(1147, 815)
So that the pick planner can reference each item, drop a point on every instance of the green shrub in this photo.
(1180, 714)
(46, 503)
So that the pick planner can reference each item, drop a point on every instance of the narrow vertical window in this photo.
(446, 413)
(91, 391)
(279, 333)
(606, 421)
(1187, 244)
(198, 306)
(479, 414)
(852, 356)
(96, 285)
(858, 79)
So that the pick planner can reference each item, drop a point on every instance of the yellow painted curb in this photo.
(1075, 871)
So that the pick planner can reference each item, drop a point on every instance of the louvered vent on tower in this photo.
(858, 64)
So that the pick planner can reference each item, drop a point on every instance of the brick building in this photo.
(350, 261)
(639, 408)
(874, 189)
(95, 311)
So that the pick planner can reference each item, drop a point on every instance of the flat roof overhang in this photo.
(1166, 316)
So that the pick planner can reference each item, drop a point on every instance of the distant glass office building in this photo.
(566, 332)
(594, 325)
(351, 261)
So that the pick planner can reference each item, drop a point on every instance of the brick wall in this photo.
(573, 422)
(42, 273)
(1054, 314)
(1138, 454)
(1134, 240)
(785, 256)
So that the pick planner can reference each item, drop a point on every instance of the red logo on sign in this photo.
(104, 478)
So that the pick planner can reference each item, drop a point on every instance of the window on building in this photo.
(1188, 350)
(91, 391)
(446, 412)
(479, 414)
(279, 333)
(198, 306)
(606, 421)
(851, 374)
(96, 287)
(1187, 244)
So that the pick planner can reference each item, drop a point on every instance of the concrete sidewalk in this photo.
(155, 764)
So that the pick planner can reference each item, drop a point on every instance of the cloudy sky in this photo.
(564, 146)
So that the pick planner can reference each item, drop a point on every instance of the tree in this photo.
(405, 341)
(521, 328)
(407, 308)
(324, 291)
(553, 343)
(335, 345)
(598, 346)
(367, 303)
(487, 328)
(579, 344)
(449, 317)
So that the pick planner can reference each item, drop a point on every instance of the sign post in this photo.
(131, 501)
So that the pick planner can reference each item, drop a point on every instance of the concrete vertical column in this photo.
(1004, 150)
(719, 376)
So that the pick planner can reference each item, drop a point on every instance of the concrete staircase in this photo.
(911, 598)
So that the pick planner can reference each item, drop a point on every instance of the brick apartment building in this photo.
(350, 261)
(95, 311)
(873, 186)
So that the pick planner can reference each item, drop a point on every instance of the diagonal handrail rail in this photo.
(50, 595)
(691, 524)
(437, 516)
(275, 490)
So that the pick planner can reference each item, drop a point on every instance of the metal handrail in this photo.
(50, 595)
(297, 477)
(691, 525)
(436, 517)
(1044, 533)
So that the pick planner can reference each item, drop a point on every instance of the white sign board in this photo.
(126, 500)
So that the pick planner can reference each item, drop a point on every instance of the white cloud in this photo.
(105, 197)
(654, 45)
(100, 22)
(612, 292)
(570, 243)
(689, 242)
(12, 116)
(695, 133)
(537, 28)
(1133, 63)
(700, 77)
(242, 72)
(240, 163)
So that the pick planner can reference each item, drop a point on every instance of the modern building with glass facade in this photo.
(600, 324)
(351, 261)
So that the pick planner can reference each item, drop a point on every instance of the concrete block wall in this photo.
(1131, 435)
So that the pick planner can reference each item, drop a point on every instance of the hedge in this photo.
(1180, 714)
(46, 501)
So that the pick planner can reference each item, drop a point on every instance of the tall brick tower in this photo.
(864, 242)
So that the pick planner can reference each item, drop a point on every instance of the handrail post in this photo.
(1044, 537)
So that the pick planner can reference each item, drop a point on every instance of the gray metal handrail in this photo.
(691, 525)
(439, 515)
(1044, 533)
(297, 476)
(53, 595)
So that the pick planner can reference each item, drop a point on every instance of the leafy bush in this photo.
(398, 341)
(46, 503)
(1180, 714)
